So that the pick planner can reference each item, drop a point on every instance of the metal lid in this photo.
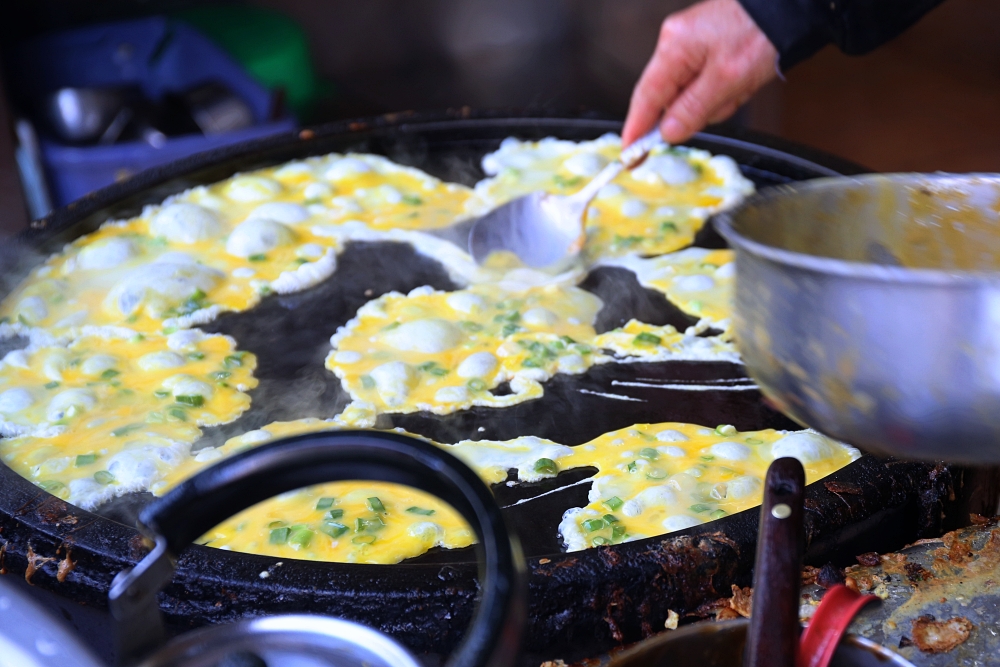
(31, 637)
(285, 641)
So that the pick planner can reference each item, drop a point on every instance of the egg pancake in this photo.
(445, 351)
(655, 208)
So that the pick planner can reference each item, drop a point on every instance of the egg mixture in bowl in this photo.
(108, 379)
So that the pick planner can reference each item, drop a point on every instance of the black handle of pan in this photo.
(239, 482)
(773, 637)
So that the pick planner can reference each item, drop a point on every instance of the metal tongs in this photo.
(542, 228)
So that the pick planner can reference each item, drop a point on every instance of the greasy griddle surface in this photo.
(290, 336)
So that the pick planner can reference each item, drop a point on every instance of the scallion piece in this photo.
(103, 477)
(257, 258)
(279, 536)
(324, 503)
(52, 486)
(160, 393)
(125, 430)
(601, 541)
(656, 473)
(300, 536)
(613, 503)
(363, 539)
(194, 400)
(726, 430)
(51, 385)
(646, 339)
(754, 441)
(630, 466)
(233, 360)
(375, 505)
(110, 373)
(590, 525)
(699, 508)
(610, 519)
(85, 459)
(276, 524)
(649, 453)
(419, 510)
(178, 414)
(617, 531)
(546, 466)
(196, 356)
(335, 514)
(367, 382)
(475, 384)
(717, 514)
(333, 528)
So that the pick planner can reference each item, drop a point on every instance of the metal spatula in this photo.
(542, 228)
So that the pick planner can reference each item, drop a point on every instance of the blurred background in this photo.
(188, 76)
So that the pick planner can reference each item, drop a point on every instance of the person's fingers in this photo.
(724, 112)
(693, 108)
(674, 64)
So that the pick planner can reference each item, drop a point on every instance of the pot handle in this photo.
(241, 481)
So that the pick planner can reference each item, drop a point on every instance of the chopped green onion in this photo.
(375, 505)
(300, 536)
(617, 531)
(419, 510)
(333, 528)
(362, 525)
(700, 508)
(324, 503)
(412, 200)
(110, 373)
(531, 362)
(433, 368)
(754, 441)
(630, 466)
(726, 429)
(85, 459)
(104, 477)
(257, 258)
(610, 519)
(546, 466)
(51, 385)
(51, 485)
(601, 541)
(279, 536)
(155, 418)
(335, 514)
(138, 338)
(471, 327)
(312, 200)
(219, 375)
(475, 384)
(160, 393)
(178, 414)
(590, 525)
(125, 430)
(668, 227)
(717, 514)
(367, 382)
(363, 539)
(646, 339)
(276, 524)
(649, 453)
(195, 400)
(196, 356)
(233, 360)
(656, 473)
(509, 330)
(613, 503)
(707, 457)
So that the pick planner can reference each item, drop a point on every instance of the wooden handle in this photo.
(774, 622)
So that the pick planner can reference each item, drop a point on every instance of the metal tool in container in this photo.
(542, 228)
(869, 309)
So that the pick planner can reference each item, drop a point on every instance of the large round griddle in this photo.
(581, 603)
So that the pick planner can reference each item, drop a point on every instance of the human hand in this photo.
(710, 58)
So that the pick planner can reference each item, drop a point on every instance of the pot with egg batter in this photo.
(581, 602)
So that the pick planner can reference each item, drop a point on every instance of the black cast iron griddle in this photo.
(582, 603)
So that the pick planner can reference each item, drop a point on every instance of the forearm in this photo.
(799, 28)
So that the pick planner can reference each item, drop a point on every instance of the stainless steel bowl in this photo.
(869, 309)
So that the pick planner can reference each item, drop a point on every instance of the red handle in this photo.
(819, 641)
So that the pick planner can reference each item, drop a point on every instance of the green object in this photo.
(546, 466)
(419, 510)
(85, 459)
(279, 536)
(324, 503)
(269, 45)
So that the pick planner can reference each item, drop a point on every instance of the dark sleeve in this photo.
(800, 28)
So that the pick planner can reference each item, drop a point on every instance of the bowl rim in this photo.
(725, 224)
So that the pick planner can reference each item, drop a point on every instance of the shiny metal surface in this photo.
(869, 309)
(287, 641)
(542, 229)
(31, 637)
(720, 644)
